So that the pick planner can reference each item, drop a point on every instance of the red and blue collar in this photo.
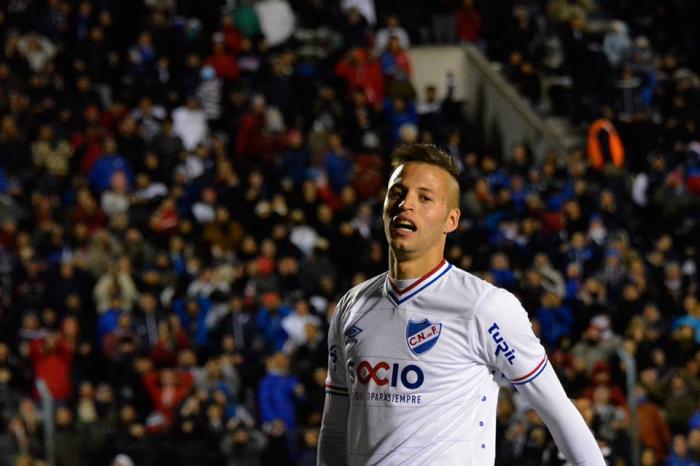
(400, 296)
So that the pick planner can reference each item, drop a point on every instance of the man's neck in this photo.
(404, 269)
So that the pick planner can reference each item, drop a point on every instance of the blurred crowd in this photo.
(187, 188)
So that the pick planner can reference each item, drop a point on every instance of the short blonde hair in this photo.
(425, 153)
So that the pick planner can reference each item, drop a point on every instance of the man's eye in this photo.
(426, 198)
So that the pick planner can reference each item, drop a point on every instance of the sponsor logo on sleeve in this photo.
(502, 347)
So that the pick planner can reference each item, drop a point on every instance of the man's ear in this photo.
(452, 221)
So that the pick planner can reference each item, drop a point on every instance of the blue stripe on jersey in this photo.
(398, 300)
(336, 390)
(534, 376)
(336, 387)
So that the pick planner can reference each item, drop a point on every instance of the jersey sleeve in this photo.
(509, 345)
(507, 342)
(336, 380)
(569, 430)
(332, 442)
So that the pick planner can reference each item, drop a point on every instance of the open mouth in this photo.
(403, 226)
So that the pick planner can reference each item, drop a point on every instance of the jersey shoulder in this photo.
(484, 297)
(369, 290)
(470, 288)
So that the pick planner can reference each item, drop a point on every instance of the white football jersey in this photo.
(421, 366)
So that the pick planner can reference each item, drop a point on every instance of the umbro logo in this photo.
(351, 334)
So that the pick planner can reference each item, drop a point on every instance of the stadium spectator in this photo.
(392, 28)
(296, 324)
(469, 22)
(654, 432)
(617, 45)
(279, 395)
(604, 143)
(166, 388)
(52, 361)
(190, 123)
(360, 71)
(70, 442)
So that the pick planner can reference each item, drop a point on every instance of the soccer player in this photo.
(415, 354)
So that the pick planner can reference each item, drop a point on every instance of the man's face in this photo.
(417, 214)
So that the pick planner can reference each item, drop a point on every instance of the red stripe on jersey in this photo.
(531, 372)
(417, 282)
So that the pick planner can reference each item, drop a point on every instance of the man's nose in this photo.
(407, 203)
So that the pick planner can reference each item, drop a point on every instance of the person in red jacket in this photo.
(222, 60)
(601, 375)
(52, 361)
(360, 71)
(167, 388)
(251, 141)
(469, 22)
(654, 431)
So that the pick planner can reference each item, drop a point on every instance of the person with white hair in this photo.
(122, 460)
(617, 44)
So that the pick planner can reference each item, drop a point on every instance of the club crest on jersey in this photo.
(422, 335)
